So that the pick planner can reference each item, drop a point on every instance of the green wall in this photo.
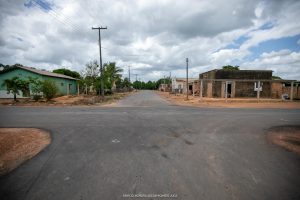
(61, 83)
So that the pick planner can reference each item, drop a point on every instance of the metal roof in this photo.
(42, 72)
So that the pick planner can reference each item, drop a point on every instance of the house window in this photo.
(62, 84)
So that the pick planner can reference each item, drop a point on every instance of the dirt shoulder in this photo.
(180, 99)
(287, 137)
(20, 144)
(69, 100)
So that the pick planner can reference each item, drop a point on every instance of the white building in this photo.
(179, 85)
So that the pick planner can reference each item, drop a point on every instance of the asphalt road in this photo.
(145, 145)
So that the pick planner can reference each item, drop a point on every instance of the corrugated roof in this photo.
(46, 73)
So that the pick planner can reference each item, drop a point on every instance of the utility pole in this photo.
(136, 83)
(170, 83)
(129, 78)
(164, 83)
(140, 84)
(129, 73)
(101, 68)
(136, 77)
(136, 86)
(187, 79)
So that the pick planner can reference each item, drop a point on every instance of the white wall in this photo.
(178, 85)
(4, 95)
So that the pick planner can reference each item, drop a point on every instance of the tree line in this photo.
(113, 80)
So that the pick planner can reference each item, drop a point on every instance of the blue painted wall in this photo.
(61, 83)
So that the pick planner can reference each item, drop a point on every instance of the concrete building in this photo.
(179, 85)
(245, 83)
(65, 84)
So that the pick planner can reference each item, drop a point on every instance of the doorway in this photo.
(69, 89)
(228, 89)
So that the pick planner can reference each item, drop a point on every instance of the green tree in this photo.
(15, 85)
(67, 72)
(119, 83)
(91, 75)
(136, 84)
(230, 67)
(126, 83)
(276, 78)
(49, 89)
(3, 67)
(111, 75)
(36, 86)
(162, 81)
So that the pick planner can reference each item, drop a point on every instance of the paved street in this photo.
(146, 145)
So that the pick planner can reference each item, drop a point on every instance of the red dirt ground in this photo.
(287, 137)
(231, 103)
(20, 144)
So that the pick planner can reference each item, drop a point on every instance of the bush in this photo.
(49, 89)
(37, 97)
(36, 88)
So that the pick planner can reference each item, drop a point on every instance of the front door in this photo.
(69, 89)
(228, 89)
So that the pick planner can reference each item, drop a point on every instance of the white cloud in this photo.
(259, 9)
(152, 36)
(284, 63)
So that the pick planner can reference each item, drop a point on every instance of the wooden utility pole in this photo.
(292, 91)
(129, 74)
(136, 83)
(101, 68)
(187, 79)
(258, 90)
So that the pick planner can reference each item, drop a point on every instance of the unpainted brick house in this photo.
(245, 83)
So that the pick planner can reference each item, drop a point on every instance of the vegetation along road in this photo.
(145, 145)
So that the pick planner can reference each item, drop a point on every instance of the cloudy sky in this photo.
(153, 36)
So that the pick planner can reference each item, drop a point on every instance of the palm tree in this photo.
(111, 74)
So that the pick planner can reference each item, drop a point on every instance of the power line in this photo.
(135, 76)
(59, 17)
(62, 17)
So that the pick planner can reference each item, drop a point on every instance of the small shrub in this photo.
(49, 89)
(36, 88)
(37, 97)
(108, 92)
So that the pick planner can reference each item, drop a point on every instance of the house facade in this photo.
(66, 85)
(220, 83)
(179, 85)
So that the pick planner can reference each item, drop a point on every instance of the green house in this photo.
(66, 85)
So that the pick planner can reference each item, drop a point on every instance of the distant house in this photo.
(164, 87)
(245, 83)
(65, 84)
(179, 85)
